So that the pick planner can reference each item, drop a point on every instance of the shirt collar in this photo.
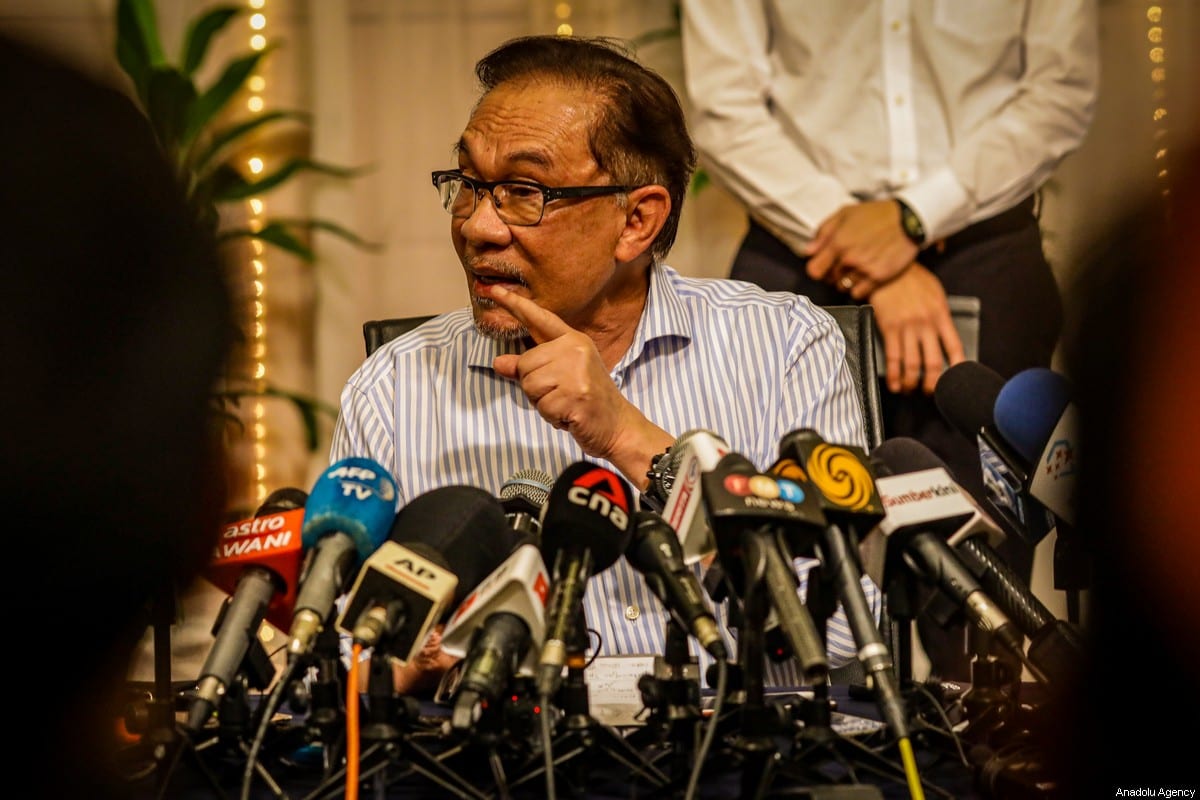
(664, 316)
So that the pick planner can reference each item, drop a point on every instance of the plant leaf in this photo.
(240, 190)
(275, 234)
(169, 96)
(279, 232)
(138, 46)
(230, 135)
(200, 34)
(308, 407)
(214, 99)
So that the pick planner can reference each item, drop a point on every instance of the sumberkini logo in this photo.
(917, 496)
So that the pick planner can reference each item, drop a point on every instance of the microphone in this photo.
(256, 563)
(347, 516)
(754, 517)
(966, 396)
(523, 496)
(924, 509)
(1056, 646)
(586, 525)
(1034, 413)
(654, 551)
(441, 545)
(841, 478)
(497, 630)
(675, 480)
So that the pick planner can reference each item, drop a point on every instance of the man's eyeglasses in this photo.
(516, 202)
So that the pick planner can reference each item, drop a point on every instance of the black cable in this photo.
(260, 735)
(710, 732)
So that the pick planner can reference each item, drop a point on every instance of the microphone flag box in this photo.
(519, 586)
(414, 591)
(271, 541)
(930, 499)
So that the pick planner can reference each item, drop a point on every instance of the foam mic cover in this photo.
(589, 507)
(1028, 408)
(966, 396)
(460, 528)
(270, 539)
(346, 518)
(356, 497)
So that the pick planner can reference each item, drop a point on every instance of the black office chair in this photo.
(858, 327)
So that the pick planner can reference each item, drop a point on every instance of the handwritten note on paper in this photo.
(613, 692)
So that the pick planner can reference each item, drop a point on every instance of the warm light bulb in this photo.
(255, 164)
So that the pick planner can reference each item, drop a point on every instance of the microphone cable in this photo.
(267, 713)
(710, 732)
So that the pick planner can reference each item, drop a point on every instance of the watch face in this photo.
(912, 224)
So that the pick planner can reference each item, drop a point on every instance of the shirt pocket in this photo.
(979, 20)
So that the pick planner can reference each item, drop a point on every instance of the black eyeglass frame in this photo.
(549, 193)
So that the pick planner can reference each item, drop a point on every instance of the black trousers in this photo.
(1002, 263)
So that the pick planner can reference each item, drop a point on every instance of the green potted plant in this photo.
(194, 127)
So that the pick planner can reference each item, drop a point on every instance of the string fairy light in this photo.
(1157, 54)
(562, 12)
(256, 206)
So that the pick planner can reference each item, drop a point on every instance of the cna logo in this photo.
(764, 487)
(841, 476)
(601, 490)
(1060, 460)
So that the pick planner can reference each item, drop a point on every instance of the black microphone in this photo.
(586, 525)
(655, 552)
(442, 544)
(257, 561)
(347, 516)
(1055, 645)
(762, 520)
(966, 396)
(842, 479)
(925, 509)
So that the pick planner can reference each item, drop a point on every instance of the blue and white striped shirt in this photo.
(714, 354)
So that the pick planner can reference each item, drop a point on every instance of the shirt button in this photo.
(897, 25)
(632, 613)
(899, 99)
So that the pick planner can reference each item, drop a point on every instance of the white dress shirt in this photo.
(961, 107)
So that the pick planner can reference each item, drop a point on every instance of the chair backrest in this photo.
(858, 327)
(379, 331)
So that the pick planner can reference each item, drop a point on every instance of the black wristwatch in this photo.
(911, 223)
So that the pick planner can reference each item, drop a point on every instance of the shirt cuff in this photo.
(941, 202)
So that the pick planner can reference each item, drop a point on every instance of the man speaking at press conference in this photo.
(580, 342)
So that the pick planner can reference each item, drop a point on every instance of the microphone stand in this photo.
(162, 743)
(388, 726)
(816, 736)
(673, 698)
(582, 733)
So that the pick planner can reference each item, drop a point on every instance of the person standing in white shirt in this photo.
(890, 152)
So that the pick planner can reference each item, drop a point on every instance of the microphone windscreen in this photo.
(465, 524)
(287, 498)
(966, 395)
(901, 455)
(589, 507)
(527, 490)
(1028, 409)
(355, 496)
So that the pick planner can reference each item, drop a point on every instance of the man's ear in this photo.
(645, 216)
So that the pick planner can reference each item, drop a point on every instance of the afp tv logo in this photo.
(763, 487)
